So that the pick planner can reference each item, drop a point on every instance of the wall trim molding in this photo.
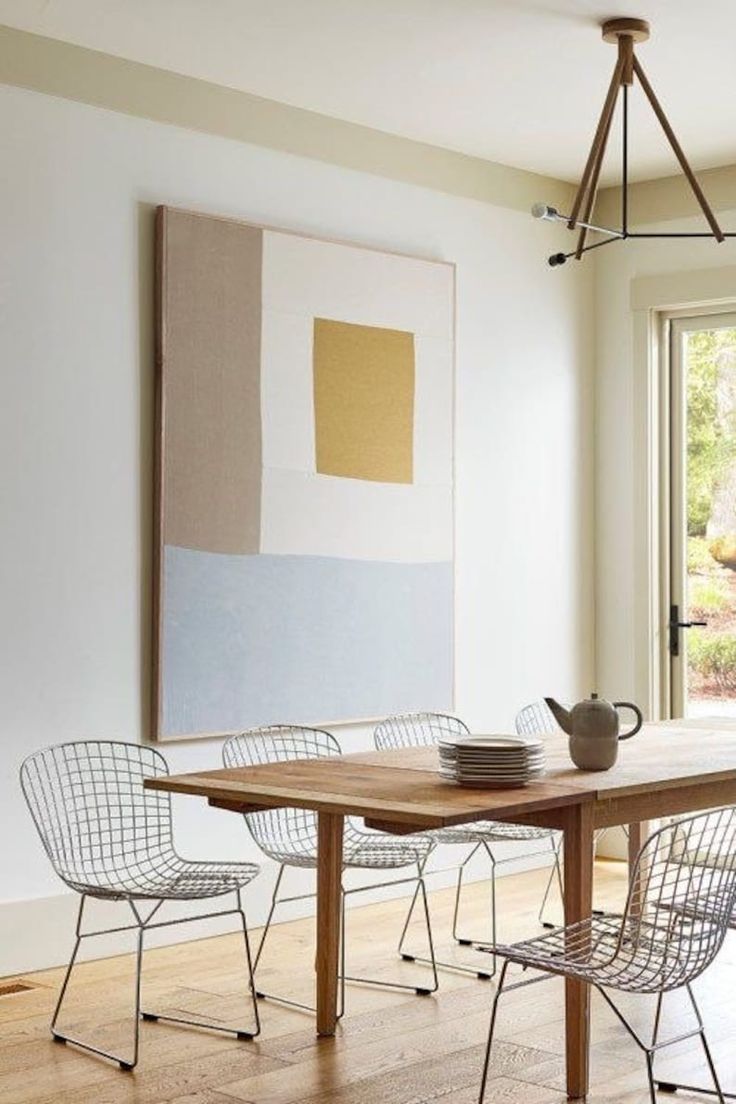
(674, 290)
(669, 198)
(62, 69)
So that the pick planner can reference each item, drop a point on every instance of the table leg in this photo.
(329, 881)
(578, 828)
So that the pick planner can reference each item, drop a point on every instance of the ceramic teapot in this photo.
(593, 728)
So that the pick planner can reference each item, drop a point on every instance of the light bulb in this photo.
(543, 211)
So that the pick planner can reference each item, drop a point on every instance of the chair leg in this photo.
(650, 1076)
(59, 1037)
(651, 1049)
(716, 1091)
(251, 976)
(248, 1034)
(70, 967)
(458, 893)
(489, 947)
(556, 870)
(482, 975)
(421, 991)
(260, 994)
(420, 890)
(491, 1029)
(267, 926)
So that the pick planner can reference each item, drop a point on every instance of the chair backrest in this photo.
(681, 897)
(281, 833)
(417, 730)
(96, 821)
(536, 719)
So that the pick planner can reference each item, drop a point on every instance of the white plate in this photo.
(489, 757)
(455, 765)
(485, 785)
(481, 763)
(491, 743)
(469, 775)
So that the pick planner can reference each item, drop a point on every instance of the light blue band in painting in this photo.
(265, 639)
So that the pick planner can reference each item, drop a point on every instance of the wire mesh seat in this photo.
(109, 838)
(289, 836)
(425, 730)
(680, 903)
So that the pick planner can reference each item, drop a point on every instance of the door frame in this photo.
(668, 568)
(673, 428)
(644, 304)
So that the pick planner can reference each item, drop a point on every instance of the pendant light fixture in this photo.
(625, 34)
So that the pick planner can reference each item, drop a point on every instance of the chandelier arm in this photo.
(560, 258)
(594, 177)
(613, 90)
(673, 234)
(679, 153)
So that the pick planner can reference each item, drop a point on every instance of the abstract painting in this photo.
(304, 479)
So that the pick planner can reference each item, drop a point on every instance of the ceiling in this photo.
(515, 81)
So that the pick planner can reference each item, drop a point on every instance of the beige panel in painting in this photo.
(210, 350)
(363, 401)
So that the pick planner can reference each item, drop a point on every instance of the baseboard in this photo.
(38, 933)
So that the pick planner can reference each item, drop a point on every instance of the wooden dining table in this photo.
(669, 768)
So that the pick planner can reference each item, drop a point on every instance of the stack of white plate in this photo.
(496, 762)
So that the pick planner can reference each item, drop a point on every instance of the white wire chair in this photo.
(425, 730)
(680, 903)
(536, 719)
(109, 838)
(289, 836)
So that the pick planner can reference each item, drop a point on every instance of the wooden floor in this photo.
(390, 1048)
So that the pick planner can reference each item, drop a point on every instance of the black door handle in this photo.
(676, 624)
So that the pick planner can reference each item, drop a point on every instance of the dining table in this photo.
(670, 768)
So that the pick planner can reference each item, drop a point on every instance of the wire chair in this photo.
(536, 719)
(425, 730)
(289, 836)
(672, 1086)
(679, 906)
(109, 838)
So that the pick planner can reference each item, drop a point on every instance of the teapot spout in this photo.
(561, 715)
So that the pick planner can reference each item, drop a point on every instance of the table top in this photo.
(403, 786)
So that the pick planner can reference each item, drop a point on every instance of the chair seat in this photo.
(362, 850)
(167, 877)
(638, 957)
(488, 831)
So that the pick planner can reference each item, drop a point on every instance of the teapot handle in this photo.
(639, 718)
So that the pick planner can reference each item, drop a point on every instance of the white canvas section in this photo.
(350, 284)
(433, 411)
(287, 391)
(323, 515)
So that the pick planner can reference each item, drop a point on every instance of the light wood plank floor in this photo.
(391, 1048)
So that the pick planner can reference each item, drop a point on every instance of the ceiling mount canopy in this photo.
(625, 33)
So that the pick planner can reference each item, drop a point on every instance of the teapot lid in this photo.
(594, 702)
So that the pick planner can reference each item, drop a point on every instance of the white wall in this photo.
(76, 199)
(621, 417)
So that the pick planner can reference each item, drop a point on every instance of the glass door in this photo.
(702, 606)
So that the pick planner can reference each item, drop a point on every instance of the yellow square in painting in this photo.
(364, 401)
